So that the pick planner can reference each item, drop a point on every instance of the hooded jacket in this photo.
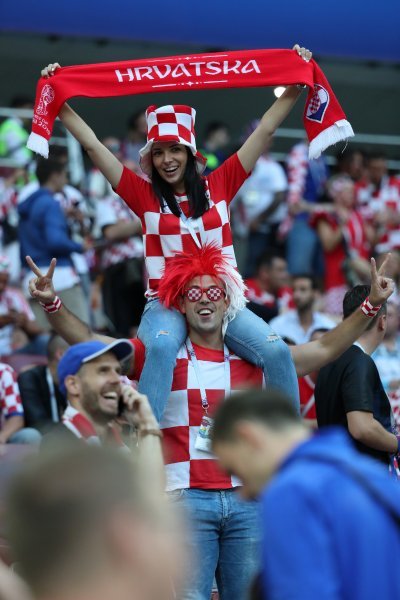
(331, 525)
(43, 230)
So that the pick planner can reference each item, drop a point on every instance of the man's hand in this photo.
(381, 287)
(137, 409)
(41, 287)
(19, 319)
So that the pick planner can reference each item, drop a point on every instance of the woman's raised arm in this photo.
(101, 157)
(257, 142)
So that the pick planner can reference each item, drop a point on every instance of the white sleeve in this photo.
(278, 178)
(105, 214)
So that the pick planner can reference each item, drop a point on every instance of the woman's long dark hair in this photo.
(194, 189)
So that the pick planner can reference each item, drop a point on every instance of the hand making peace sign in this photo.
(41, 287)
(381, 287)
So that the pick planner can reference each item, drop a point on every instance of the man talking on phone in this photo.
(90, 379)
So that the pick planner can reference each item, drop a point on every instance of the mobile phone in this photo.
(121, 407)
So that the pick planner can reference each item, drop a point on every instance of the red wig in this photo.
(208, 260)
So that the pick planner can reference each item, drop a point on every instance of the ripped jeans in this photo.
(163, 332)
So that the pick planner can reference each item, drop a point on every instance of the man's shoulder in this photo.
(34, 373)
(353, 357)
(59, 436)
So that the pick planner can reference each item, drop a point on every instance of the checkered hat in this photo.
(170, 123)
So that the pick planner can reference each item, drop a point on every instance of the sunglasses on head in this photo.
(213, 293)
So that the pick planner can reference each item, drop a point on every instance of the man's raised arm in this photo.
(315, 355)
(62, 320)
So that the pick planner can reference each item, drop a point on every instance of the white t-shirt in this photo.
(258, 191)
(288, 325)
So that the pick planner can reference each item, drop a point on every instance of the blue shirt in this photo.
(43, 230)
(326, 536)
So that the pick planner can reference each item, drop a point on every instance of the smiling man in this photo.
(206, 288)
(90, 378)
(223, 530)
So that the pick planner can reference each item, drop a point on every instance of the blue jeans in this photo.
(304, 250)
(163, 332)
(27, 435)
(223, 539)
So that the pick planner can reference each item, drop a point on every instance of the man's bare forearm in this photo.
(72, 329)
(378, 438)
(122, 230)
(366, 429)
(11, 426)
(315, 355)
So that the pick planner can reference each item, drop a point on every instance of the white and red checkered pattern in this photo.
(213, 293)
(372, 202)
(307, 399)
(170, 123)
(282, 301)
(165, 234)
(10, 399)
(187, 467)
(109, 211)
(315, 103)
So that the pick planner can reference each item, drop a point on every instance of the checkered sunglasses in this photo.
(213, 293)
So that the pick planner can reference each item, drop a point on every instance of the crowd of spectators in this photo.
(304, 234)
(297, 224)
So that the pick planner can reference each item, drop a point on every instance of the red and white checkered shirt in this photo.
(371, 201)
(282, 301)
(10, 399)
(111, 210)
(187, 467)
(307, 399)
(164, 234)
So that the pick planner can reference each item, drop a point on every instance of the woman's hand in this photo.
(303, 52)
(49, 70)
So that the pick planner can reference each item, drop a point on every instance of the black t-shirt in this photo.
(350, 383)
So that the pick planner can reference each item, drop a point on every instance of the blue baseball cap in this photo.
(82, 353)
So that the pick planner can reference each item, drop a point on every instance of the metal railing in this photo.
(75, 156)
(76, 163)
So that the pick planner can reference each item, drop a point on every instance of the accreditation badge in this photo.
(203, 439)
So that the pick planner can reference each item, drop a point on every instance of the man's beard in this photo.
(90, 402)
(305, 307)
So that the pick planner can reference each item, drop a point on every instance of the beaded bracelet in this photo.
(53, 306)
(368, 309)
(156, 432)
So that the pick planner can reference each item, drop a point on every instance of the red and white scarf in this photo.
(324, 119)
(82, 428)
